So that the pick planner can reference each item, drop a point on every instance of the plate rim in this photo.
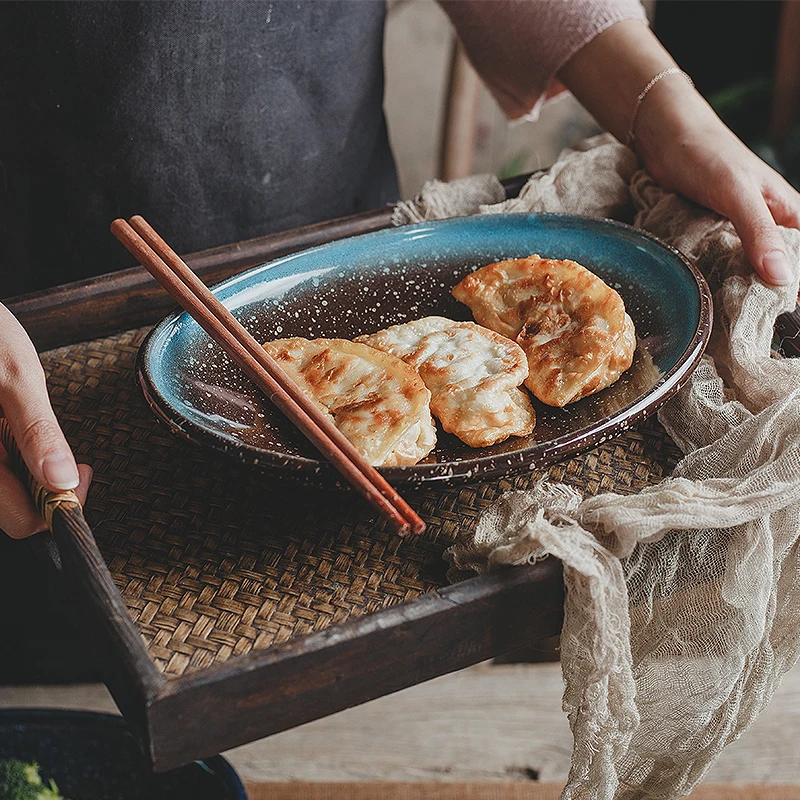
(482, 466)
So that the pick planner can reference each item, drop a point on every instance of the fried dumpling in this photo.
(571, 325)
(377, 401)
(473, 373)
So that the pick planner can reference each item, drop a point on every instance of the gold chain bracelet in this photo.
(653, 81)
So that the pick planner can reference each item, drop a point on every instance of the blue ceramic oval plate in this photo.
(364, 283)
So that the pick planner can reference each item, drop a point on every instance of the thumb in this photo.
(42, 445)
(26, 405)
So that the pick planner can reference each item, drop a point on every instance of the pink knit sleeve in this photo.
(518, 46)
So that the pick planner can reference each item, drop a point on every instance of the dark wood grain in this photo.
(102, 618)
(287, 685)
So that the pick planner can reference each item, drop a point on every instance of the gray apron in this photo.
(217, 121)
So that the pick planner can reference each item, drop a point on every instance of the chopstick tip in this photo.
(409, 526)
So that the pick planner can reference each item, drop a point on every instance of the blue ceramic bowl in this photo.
(364, 283)
(95, 757)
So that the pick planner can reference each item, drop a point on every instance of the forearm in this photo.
(608, 75)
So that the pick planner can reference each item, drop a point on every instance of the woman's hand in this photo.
(682, 142)
(25, 404)
(688, 150)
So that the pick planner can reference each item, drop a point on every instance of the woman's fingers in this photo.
(18, 516)
(784, 203)
(86, 474)
(761, 239)
(26, 405)
(687, 149)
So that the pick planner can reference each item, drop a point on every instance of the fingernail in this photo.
(777, 268)
(60, 472)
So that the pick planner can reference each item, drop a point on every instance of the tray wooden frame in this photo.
(266, 691)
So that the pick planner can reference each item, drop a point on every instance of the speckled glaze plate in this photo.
(364, 283)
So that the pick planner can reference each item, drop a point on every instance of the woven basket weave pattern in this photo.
(214, 559)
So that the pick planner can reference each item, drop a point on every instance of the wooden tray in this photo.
(224, 605)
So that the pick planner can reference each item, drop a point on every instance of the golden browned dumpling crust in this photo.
(571, 325)
(376, 400)
(474, 375)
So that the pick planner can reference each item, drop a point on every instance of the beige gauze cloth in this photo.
(682, 607)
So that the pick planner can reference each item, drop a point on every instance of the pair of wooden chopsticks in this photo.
(167, 267)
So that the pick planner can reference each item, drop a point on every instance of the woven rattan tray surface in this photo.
(214, 560)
